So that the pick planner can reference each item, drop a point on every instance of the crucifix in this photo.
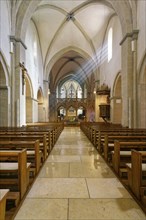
(24, 71)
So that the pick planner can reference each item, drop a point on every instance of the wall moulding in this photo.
(18, 40)
(133, 35)
(4, 87)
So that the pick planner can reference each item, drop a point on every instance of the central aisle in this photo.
(75, 183)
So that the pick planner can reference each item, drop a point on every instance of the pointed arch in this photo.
(142, 94)
(29, 99)
(41, 109)
(4, 94)
(116, 101)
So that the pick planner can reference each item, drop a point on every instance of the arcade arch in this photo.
(142, 95)
(4, 97)
(116, 101)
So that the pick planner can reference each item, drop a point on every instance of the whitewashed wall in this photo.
(34, 65)
(34, 59)
(141, 25)
(5, 28)
(109, 70)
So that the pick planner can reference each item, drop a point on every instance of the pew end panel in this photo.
(18, 171)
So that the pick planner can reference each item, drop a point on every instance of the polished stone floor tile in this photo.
(92, 158)
(55, 151)
(104, 209)
(75, 151)
(55, 170)
(106, 188)
(75, 146)
(59, 188)
(90, 170)
(43, 209)
(63, 158)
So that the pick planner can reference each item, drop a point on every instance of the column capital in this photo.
(17, 40)
(133, 35)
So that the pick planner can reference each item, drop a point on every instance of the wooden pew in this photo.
(27, 138)
(122, 153)
(96, 131)
(33, 151)
(109, 139)
(3, 195)
(14, 174)
(137, 175)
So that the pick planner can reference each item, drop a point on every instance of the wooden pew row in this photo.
(107, 143)
(32, 127)
(34, 154)
(47, 141)
(14, 174)
(43, 124)
(100, 135)
(122, 154)
(53, 129)
(96, 132)
(3, 195)
(47, 125)
(28, 138)
(137, 175)
(52, 133)
(105, 126)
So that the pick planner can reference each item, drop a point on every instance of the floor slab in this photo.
(63, 158)
(59, 188)
(104, 209)
(87, 170)
(43, 209)
(55, 170)
(106, 188)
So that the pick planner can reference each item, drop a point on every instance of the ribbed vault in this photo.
(68, 28)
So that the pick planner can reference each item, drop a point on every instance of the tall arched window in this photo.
(110, 44)
(70, 89)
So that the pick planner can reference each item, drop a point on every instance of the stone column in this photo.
(135, 82)
(52, 106)
(127, 79)
(46, 101)
(4, 106)
(18, 109)
(12, 82)
(129, 82)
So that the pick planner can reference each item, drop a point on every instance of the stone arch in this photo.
(29, 99)
(41, 108)
(4, 66)
(58, 55)
(4, 94)
(61, 112)
(116, 101)
(142, 95)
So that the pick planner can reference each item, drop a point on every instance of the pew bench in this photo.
(137, 175)
(3, 196)
(28, 137)
(108, 142)
(33, 152)
(99, 139)
(14, 175)
(122, 154)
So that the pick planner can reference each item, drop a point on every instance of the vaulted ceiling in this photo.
(76, 28)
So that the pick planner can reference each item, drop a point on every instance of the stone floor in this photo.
(76, 184)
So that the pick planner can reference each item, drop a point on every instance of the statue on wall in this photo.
(24, 71)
